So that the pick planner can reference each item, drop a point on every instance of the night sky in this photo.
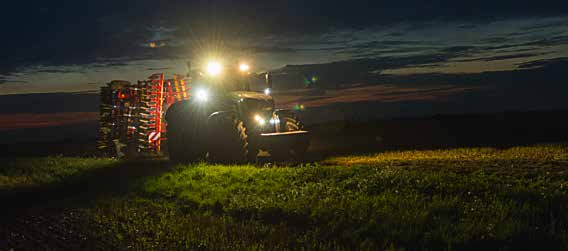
(383, 58)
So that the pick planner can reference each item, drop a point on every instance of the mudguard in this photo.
(285, 112)
(221, 114)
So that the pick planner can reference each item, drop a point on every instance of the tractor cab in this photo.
(236, 79)
(236, 89)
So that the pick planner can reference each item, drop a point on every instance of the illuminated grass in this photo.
(437, 199)
(15, 173)
(539, 153)
(479, 198)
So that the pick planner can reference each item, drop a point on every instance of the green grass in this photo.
(26, 172)
(479, 198)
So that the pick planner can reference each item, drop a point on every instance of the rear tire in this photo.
(185, 131)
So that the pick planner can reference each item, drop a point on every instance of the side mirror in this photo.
(188, 65)
(268, 79)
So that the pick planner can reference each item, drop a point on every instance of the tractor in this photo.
(228, 119)
(214, 113)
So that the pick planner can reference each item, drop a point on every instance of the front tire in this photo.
(299, 148)
(229, 141)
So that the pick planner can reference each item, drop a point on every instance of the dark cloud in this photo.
(334, 74)
(277, 49)
(550, 63)
(500, 57)
(467, 26)
(9, 78)
(49, 103)
(496, 40)
(459, 49)
(427, 65)
(546, 25)
(111, 64)
(515, 34)
(392, 95)
(57, 71)
(272, 49)
(109, 33)
(517, 50)
(67, 32)
(556, 40)
(504, 46)
(385, 43)
(396, 34)
(378, 48)
(158, 69)
(380, 53)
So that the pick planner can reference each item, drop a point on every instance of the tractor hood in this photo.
(254, 101)
(253, 96)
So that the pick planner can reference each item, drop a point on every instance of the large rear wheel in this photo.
(185, 133)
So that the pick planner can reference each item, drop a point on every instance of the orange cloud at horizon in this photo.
(39, 120)
(368, 93)
(284, 99)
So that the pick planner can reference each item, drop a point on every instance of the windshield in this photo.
(233, 82)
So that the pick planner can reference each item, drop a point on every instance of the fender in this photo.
(221, 114)
(176, 110)
(286, 112)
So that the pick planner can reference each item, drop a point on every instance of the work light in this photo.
(214, 68)
(244, 67)
(259, 120)
(201, 95)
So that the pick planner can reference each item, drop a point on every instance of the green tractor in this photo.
(226, 120)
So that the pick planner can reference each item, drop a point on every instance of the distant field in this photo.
(476, 198)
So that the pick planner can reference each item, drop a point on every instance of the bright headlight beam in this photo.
(214, 68)
(259, 120)
(267, 91)
(244, 67)
(202, 95)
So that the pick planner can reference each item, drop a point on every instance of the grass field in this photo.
(460, 199)
(29, 172)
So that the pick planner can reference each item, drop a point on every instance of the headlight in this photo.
(201, 95)
(259, 120)
(244, 67)
(214, 68)
(267, 91)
